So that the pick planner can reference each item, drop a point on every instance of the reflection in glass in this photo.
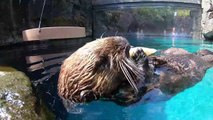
(148, 20)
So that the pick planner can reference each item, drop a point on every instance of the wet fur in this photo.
(97, 69)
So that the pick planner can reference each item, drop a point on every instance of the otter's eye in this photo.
(127, 51)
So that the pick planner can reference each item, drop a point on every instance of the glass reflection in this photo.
(148, 20)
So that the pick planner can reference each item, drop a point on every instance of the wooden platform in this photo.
(59, 32)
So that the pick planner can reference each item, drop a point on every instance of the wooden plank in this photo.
(59, 32)
(42, 61)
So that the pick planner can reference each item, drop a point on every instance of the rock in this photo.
(206, 22)
(208, 36)
(210, 15)
(16, 98)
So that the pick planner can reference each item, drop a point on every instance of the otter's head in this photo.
(206, 55)
(97, 70)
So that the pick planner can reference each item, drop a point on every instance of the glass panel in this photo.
(148, 20)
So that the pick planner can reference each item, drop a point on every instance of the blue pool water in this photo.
(194, 103)
(189, 44)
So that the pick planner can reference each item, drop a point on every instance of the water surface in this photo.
(189, 44)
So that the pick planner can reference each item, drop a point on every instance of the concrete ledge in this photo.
(59, 32)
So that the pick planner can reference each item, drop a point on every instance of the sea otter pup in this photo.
(97, 70)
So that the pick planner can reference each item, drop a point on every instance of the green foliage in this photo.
(183, 13)
(151, 16)
(149, 19)
(113, 17)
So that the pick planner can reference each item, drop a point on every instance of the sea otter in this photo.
(179, 69)
(98, 70)
(175, 70)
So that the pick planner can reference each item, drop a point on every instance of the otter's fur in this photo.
(97, 69)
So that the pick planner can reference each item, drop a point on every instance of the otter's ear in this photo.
(101, 63)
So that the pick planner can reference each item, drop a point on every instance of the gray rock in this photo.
(208, 35)
(16, 98)
(206, 22)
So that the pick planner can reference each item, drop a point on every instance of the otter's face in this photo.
(120, 59)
